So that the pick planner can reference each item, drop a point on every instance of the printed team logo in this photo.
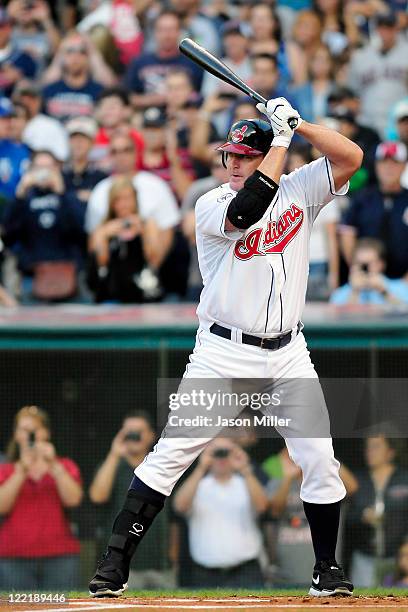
(238, 134)
(273, 239)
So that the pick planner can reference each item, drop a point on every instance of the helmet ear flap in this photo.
(224, 156)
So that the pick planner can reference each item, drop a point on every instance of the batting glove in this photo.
(283, 118)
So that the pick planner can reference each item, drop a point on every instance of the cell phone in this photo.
(31, 438)
(133, 436)
(364, 268)
(221, 453)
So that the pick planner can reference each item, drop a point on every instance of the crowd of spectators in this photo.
(262, 536)
(108, 135)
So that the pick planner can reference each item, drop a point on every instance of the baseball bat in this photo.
(212, 64)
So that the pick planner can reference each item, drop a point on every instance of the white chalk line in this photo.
(210, 606)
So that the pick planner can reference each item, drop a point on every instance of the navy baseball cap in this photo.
(6, 107)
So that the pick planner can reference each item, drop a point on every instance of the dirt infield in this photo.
(227, 604)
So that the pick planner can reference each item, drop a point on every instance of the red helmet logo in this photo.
(238, 134)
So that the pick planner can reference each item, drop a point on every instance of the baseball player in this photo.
(252, 240)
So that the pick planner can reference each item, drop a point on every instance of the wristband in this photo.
(282, 141)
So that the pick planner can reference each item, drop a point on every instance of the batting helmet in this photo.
(248, 137)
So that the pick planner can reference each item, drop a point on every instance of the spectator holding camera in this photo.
(109, 485)
(155, 199)
(381, 211)
(223, 490)
(162, 155)
(44, 226)
(37, 549)
(125, 251)
(367, 283)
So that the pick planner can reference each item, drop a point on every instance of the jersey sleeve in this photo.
(211, 212)
(316, 181)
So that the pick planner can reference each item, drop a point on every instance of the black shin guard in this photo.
(132, 522)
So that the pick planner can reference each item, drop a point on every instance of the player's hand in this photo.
(280, 112)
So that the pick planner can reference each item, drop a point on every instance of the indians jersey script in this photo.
(255, 280)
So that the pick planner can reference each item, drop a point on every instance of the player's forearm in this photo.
(344, 155)
(101, 486)
(11, 488)
(273, 163)
(185, 495)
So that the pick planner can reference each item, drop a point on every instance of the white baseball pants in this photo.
(215, 357)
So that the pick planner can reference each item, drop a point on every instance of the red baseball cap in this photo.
(391, 150)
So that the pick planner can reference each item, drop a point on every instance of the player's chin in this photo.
(236, 182)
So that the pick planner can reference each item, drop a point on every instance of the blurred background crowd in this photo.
(108, 137)
(247, 489)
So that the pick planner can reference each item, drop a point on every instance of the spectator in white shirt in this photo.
(223, 491)
(379, 72)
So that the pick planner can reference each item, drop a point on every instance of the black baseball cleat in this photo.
(111, 575)
(329, 579)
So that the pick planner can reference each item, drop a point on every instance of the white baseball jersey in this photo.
(255, 280)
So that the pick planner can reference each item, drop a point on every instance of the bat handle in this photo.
(292, 122)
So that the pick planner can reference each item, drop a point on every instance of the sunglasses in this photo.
(119, 151)
(71, 50)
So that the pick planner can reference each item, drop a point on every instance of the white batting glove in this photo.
(282, 116)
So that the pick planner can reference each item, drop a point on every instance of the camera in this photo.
(221, 453)
(126, 224)
(31, 438)
(42, 175)
(364, 268)
(133, 436)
